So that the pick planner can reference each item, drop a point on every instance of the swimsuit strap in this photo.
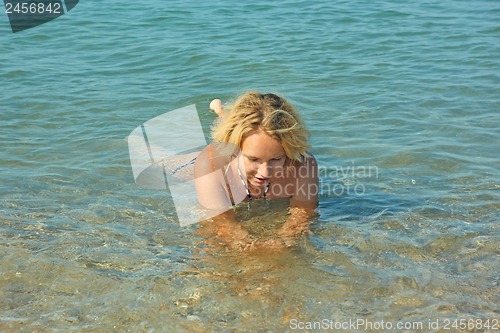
(228, 188)
(211, 157)
(182, 166)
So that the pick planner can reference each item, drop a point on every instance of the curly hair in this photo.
(270, 113)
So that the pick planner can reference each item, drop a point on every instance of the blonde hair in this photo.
(269, 113)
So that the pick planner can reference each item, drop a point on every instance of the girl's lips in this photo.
(261, 180)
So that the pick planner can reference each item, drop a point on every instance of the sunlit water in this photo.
(403, 104)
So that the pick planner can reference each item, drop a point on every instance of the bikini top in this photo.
(228, 188)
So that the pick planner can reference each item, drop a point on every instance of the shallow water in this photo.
(402, 101)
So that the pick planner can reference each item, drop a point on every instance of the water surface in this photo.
(408, 91)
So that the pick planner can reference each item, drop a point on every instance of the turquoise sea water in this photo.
(403, 104)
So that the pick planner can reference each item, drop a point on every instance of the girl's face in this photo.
(262, 156)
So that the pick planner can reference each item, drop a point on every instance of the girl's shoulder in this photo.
(212, 157)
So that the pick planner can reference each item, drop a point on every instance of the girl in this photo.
(259, 152)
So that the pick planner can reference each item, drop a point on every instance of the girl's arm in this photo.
(303, 202)
(213, 195)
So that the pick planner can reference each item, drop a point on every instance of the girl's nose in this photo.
(265, 170)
